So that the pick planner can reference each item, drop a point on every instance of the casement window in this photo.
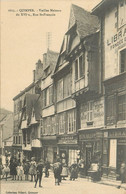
(47, 96)
(61, 122)
(111, 110)
(122, 13)
(19, 139)
(123, 61)
(122, 107)
(14, 141)
(89, 111)
(28, 136)
(79, 67)
(24, 136)
(60, 90)
(64, 87)
(71, 121)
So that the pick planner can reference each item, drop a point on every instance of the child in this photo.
(20, 171)
(26, 169)
(6, 170)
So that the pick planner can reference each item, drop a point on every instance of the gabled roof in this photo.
(80, 22)
(86, 23)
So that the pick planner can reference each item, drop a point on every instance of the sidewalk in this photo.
(108, 182)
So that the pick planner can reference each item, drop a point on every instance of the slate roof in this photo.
(86, 23)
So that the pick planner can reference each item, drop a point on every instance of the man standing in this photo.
(39, 169)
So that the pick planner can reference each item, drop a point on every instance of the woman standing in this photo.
(13, 165)
(32, 170)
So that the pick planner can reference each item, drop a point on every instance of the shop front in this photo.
(90, 142)
(114, 152)
(49, 144)
(68, 149)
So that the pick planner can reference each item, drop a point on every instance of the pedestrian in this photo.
(74, 171)
(26, 167)
(122, 174)
(32, 169)
(13, 165)
(39, 170)
(57, 168)
(6, 170)
(20, 171)
(64, 172)
(47, 167)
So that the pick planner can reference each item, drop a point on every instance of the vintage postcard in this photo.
(63, 97)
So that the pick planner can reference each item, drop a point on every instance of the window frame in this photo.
(79, 67)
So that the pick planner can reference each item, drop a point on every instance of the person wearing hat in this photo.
(26, 167)
(39, 169)
(32, 169)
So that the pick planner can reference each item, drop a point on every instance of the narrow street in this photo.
(79, 186)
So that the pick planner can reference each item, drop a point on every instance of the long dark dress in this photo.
(13, 165)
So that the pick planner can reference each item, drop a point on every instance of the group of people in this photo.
(61, 171)
(17, 170)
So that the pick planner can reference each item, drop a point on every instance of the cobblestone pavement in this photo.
(79, 186)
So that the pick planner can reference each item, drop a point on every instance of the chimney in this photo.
(33, 75)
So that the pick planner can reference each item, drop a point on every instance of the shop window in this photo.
(71, 121)
(122, 107)
(79, 67)
(123, 61)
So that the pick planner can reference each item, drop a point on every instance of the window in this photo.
(123, 61)
(71, 121)
(60, 90)
(122, 13)
(111, 110)
(89, 111)
(14, 140)
(64, 87)
(122, 107)
(67, 86)
(19, 139)
(79, 67)
(47, 96)
(61, 123)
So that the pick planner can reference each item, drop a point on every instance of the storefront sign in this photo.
(68, 140)
(87, 136)
(117, 39)
(117, 134)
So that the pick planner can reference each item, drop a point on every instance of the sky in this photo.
(23, 39)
